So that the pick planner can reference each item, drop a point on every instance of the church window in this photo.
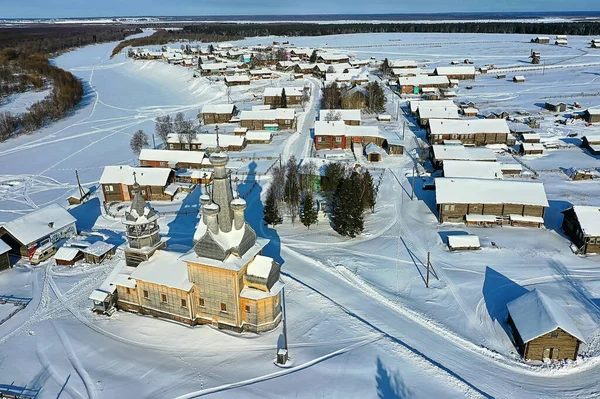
(247, 308)
(163, 298)
(183, 303)
(146, 294)
(223, 307)
(201, 302)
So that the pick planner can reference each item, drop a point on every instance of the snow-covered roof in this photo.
(467, 126)
(333, 57)
(66, 253)
(415, 104)
(593, 111)
(481, 191)
(4, 247)
(289, 91)
(535, 314)
(335, 68)
(260, 267)
(172, 156)
(123, 174)
(99, 295)
(450, 112)
(268, 115)
(261, 71)
(592, 138)
(463, 241)
(421, 80)
(39, 224)
(510, 166)
(462, 153)
(208, 140)
(124, 280)
(474, 169)
(350, 76)
(330, 128)
(256, 294)
(232, 262)
(260, 107)
(530, 136)
(363, 131)
(98, 248)
(589, 219)
(258, 135)
(522, 218)
(164, 268)
(373, 148)
(217, 109)
(533, 146)
(407, 71)
(403, 64)
(219, 65)
(345, 114)
(455, 70)
(237, 78)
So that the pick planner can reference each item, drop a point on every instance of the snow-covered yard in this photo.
(361, 322)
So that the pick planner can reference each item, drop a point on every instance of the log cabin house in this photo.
(591, 143)
(414, 84)
(218, 68)
(272, 96)
(41, 227)
(351, 117)
(488, 202)
(305, 69)
(4, 256)
(351, 78)
(425, 113)
(582, 225)
(207, 142)
(174, 159)
(275, 119)
(541, 40)
(405, 72)
(261, 73)
(403, 64)
(98, 252)
(328, 58)
(117, 183)
(478, 132)
(531, 149)
(217, 113)
(259, 137)
(542, 329)
(456, 72)
(442, 153)
(415, 104)
(373, 152)
(237, 80)
(330, 135)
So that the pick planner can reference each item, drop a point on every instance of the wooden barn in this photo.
(373, 152)
(591, 143)
(483, 202)
(591, 115)
(542, 330)
(478, 132)
(4, 256)
(39, 228)
(217, 113)
(117, 183)
(531, 149)
(414, 84)
(555, 107)
(393, 145)
(293, 96)
(463, 242)
(67, 256)
(259, 137)
(456, 72)
(174, 159)
(237, 80)
(98, 252)
(518, 79)
(279, 119)
(582, 225)
(541, 40)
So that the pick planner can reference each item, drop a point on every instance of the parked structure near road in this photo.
(582, 225)
(542, 329)
(217, 113)
(39, 228)
(156, 183)
(489, 202)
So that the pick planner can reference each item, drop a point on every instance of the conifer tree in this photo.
(283, 99)
(308, 216)
(291, 192)
(271, 210)
(313, 57)
(369, 197)
(347, 213)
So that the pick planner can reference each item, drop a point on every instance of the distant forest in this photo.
(25, 65)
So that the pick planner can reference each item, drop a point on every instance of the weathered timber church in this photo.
(224, 281)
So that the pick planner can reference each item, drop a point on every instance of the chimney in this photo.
(51, 224)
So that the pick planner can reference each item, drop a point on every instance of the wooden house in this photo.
(403, 64)
(259, 137)
(328, 58)
(293, 96)
(591, 143)
(237, 80)
(518, 79)
(482, 202)
(531, 149)
(39, 228)
(478, 132)
(330, 135)
(442, 153)
(393, 145)
(4, 256)
(555, 107)
(425, 113)
(530, 138)
(217, 113)
(582, 225)
(414, 84)
(456, 72)
(355, 98)
(305, 68)
(98, 252)
(275, 119)
(541, 40)
(470, 112)
(261, 73)
(67, 256)
(472, 169)
(206, 142)
(591, 115)
(415, 104)
(351, 117)
(373, 152)
(174, 159)
(541, 329)
(156, 183)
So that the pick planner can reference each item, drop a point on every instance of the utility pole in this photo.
(153, 141)
(427, 282)
(412, 194)
(282, 353)
(79, 185)
(403, 127)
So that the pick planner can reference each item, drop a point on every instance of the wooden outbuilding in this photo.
(591, 143)
(582, 225)
(463, 242)
(531, 149)
(591, 115)
(217, 113)
(542, 330)
(555, 107)
(4, 256)
(518, 79)
(79, 196)
(373, 152)
(174, 159)
(98, 252)
(67, 256)
(414, 84)
(237, 80)
(456, 72)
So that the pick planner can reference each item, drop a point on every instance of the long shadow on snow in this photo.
(251, 190)
(183, 226)
(498, 290)
(390, 385)
(553, 216)
(391, 337)
(86, 214)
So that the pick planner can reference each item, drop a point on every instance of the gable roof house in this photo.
(272, 96)
(456, 72)
(206, 142)
(425, 113)
(217, 113)
(156, 183)
(348, 116)
(442, 153)
(174, 159)
(415, 84)
(273, 119)
(41, 227)
(542, 329)
(330, 58)
(582, 225)
(478, 132)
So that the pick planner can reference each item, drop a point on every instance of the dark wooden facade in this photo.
(4, 261)
(590, 144)
(478, 139)
(454, 213)
(555, 345)
(210, 118)
(117, 192)
(572, 228)
(275, 101)
(591, 117)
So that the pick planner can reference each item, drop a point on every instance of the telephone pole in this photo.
(412, 194)
(427, 281)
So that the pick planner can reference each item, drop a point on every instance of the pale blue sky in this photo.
(98, 8)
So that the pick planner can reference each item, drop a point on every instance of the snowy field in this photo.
(361, 323)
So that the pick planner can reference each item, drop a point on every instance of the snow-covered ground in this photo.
(20, 102)
(361, 322)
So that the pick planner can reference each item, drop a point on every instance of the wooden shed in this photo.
(541, 329)
(591, 115)
(373, 152)
(463, 242)
(519, 79)
(217, 113)
(4, 257)
(98, 252)
(67, 256)
(582, 225)
(555, 107)
(591, 143)
(531, 149)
